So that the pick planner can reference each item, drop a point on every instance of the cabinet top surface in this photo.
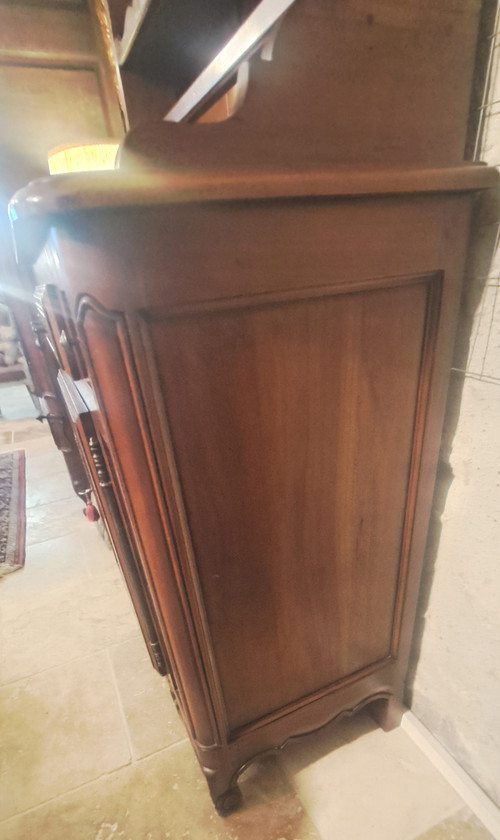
(63, 194)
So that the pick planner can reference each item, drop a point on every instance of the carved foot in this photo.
(224, 791)
(387, 713)
(228, 802)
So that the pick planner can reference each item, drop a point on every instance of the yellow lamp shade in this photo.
(83, 157)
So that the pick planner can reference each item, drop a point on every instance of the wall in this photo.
(455, 689)
(55, 89)
(52, 87)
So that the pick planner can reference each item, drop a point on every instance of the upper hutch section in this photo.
(342, 97)
(346, 82)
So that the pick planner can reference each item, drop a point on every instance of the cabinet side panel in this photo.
(292, 426)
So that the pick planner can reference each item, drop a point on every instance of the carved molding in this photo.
(203, 657)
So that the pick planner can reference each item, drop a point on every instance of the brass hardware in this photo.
(99, 462)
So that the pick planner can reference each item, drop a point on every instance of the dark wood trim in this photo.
(435, 283)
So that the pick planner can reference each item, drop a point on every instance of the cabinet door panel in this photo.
(292, 428)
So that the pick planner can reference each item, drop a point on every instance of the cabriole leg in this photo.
(224, 791)
(387, 712)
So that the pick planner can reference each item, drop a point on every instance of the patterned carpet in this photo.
(12, 511)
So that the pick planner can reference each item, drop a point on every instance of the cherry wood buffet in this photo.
(254, 340)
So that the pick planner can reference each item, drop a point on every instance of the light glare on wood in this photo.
(82, 158)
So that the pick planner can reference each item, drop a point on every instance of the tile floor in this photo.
(91, 746)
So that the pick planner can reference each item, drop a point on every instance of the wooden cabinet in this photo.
(258, 377)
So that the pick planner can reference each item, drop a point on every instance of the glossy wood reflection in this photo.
(292, 427)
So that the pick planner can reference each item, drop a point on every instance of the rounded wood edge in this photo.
(61, 194)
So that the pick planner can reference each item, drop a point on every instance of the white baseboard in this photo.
(471, 793)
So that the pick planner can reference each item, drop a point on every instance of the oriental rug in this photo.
(12, 511)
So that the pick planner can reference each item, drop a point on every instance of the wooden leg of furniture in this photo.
(224, 791)
(387, 713)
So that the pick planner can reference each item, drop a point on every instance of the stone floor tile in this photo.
(58, 730)
(48, 565)
(55, 519)
(30, 435)
(53, 626)
(461, 826)
(99, 556)
(379, 786)
(165, 797)
(44, 461)
(6, 436)
(29, 430)
(16, 403)
(36, 445)
(152, 719)
(54, 487)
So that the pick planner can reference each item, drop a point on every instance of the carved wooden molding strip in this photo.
(202, 657)
(342, 287)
